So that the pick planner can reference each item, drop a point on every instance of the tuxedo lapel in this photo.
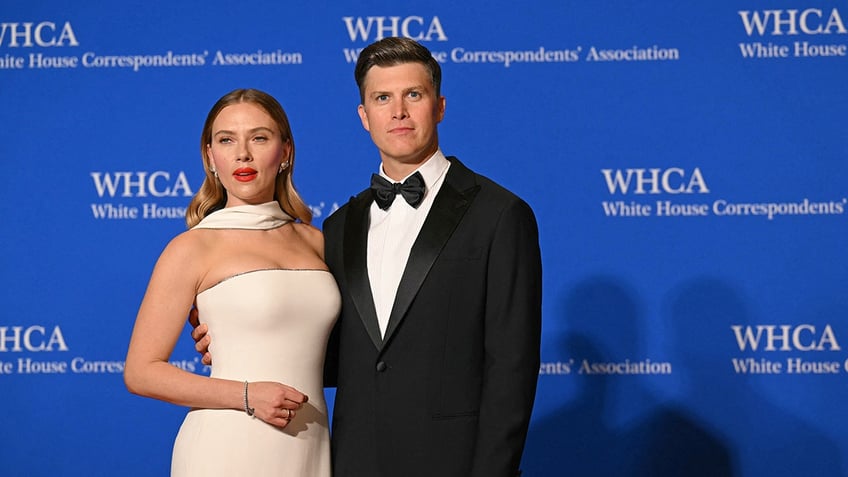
(356, 264)
(449, 206)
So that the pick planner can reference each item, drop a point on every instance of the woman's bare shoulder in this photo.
(312, 236)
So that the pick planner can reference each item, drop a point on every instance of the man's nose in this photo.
(399, 110)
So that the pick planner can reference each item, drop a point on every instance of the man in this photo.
(436, 353)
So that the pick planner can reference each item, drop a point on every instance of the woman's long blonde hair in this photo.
(212, 196)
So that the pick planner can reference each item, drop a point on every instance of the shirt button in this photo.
(381, 366)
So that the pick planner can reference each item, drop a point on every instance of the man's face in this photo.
(401, 111)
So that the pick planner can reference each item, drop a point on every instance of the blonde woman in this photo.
(254, 268)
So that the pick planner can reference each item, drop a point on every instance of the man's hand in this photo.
(199, 334)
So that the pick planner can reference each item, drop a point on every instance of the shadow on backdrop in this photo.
(614, 425)
(764, 440)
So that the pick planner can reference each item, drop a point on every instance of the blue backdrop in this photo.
(686, 162)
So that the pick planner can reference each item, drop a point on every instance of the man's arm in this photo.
(512, 343)
(200, 335)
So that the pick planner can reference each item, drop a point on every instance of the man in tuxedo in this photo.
(436, 353)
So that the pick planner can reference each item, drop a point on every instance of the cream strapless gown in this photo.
(267, 325)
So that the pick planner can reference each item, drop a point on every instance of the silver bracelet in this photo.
(249, 410)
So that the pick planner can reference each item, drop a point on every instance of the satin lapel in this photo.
(356, 265)
(448, 208)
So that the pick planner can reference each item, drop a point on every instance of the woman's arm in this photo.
(159, 323)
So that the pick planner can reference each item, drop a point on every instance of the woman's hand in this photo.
(275, 403)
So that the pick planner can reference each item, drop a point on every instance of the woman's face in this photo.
(247, 149)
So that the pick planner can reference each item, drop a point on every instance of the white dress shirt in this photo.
(392, 232)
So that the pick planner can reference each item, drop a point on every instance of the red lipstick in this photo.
(244, 174)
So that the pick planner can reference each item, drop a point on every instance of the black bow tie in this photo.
(384, 191)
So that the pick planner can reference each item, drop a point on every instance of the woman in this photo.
(254, 268)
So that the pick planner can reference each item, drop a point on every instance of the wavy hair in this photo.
(212, 196)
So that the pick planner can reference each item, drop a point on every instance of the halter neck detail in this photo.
(251, 217)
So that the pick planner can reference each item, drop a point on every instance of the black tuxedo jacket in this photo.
(449, 390)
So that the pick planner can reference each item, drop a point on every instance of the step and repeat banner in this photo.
(687, 163)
